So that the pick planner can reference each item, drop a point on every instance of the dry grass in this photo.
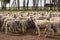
(4, 11)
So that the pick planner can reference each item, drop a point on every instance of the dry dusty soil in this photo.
(15, 36)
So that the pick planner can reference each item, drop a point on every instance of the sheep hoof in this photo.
(45, 35)
(36, 32)
(15, 31)
(6, 32)
(39, 35)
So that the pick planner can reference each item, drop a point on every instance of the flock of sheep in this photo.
(21, 21)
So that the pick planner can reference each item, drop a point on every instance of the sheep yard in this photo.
(29, 25)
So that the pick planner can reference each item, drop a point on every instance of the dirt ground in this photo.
(15, 36)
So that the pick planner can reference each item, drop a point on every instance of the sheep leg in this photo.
(3, 26)
(10, 28)
(6, 28)
(23, 28)
(45, 30)
(20, 28)
(38, 29)
(49, 29)
(16, 29)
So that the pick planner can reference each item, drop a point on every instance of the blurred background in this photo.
(29, 5)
